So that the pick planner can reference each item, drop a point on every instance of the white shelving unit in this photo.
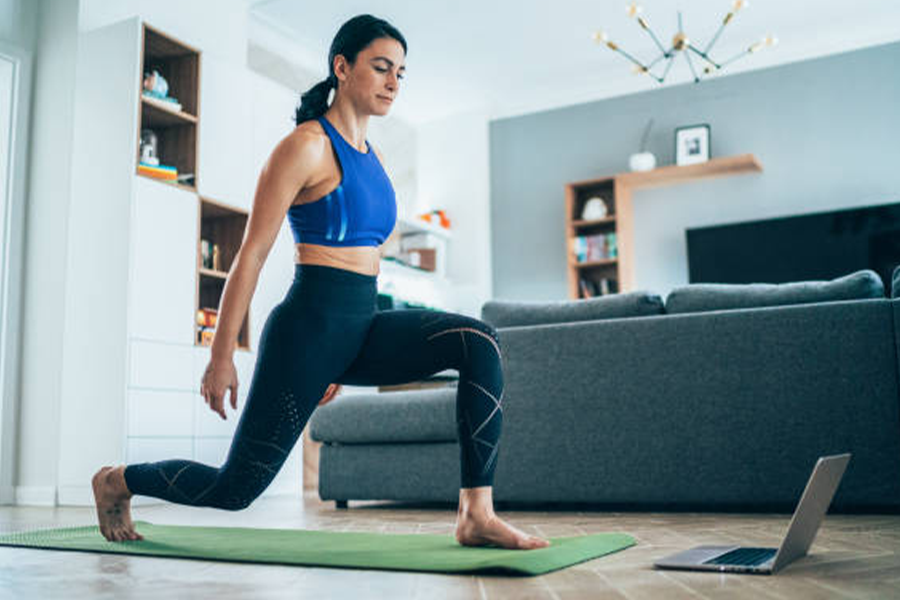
(411, 283)
(136, 362)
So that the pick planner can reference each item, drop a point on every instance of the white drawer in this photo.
(162, 366)
(153, 449)
(161, 413)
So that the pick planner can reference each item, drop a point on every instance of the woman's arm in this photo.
(287, 171)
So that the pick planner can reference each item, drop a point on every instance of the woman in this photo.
(327, 331)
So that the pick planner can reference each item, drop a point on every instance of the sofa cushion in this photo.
(403, 416)
(698, 297)
(508, 313)
(895, 283)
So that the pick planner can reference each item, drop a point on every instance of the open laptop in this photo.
(804, 524)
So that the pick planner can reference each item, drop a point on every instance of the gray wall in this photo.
(825, 130)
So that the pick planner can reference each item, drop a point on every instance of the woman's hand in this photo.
(220, 375)
(330, 393)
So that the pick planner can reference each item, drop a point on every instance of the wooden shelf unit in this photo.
(176, 130)
(616, 191)
(224, 226)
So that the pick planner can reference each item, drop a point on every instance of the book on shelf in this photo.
(594, 247)
(601, 287)
(158, 171)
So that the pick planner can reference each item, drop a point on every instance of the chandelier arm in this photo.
(657, 59)
(669, 66)
(735, 57)
(646, 27)
(704, 56)
(687, 57)
(629, 57)
(716, 37)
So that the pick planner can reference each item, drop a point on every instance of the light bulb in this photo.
(637, 69)
(633, 9)
(770, 40)
(600, 36)
(739, 4)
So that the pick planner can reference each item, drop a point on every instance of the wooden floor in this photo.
(854, 556)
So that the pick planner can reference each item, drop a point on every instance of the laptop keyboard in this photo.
(743, 556)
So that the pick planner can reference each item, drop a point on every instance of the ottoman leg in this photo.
(340, 504)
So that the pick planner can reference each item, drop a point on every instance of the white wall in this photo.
(46, 237)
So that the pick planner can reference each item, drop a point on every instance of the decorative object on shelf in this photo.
(643, 160)
(209, 255)
(206, 320)
(692, 144)
(155, 87)
(155, 84)
(149, 147)
(206, 317)
(205, 254)
(594, 208)
(438, 217)
(421, 258)
(681, 43)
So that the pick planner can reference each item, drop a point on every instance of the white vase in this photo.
(642, 161)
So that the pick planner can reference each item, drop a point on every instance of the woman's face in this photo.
(374, 81)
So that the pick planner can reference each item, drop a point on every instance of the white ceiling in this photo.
(508, 58)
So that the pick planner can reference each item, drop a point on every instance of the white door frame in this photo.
(12, 236)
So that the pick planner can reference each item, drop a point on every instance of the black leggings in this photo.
(327, 330)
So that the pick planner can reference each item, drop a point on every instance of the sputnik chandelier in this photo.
(681, 43)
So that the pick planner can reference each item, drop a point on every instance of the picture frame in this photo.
(692, 144)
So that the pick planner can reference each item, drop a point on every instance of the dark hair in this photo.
(353, 36)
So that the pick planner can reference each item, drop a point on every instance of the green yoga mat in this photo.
(392, 551)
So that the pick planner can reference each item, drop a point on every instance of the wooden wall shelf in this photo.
(616, 191)
(673, 174)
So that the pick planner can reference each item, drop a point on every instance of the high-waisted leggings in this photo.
(327, 330)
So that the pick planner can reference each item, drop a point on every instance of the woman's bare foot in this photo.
(475, 531)
(478, 525)
(114, 504)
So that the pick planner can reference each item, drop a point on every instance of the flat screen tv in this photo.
(816, 246)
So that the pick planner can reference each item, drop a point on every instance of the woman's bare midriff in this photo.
(362, 259)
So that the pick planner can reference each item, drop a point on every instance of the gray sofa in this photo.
(720, 398)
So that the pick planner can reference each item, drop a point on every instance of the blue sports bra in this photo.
(361, 211)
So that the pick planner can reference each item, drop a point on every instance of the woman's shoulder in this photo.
(306, 142)
(309, 132)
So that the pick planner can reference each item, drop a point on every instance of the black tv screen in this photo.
(815, 246)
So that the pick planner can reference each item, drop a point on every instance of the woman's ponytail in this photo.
(314, 102)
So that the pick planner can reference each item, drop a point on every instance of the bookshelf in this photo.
(221, 228)
(175, 126)
(611, 269)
